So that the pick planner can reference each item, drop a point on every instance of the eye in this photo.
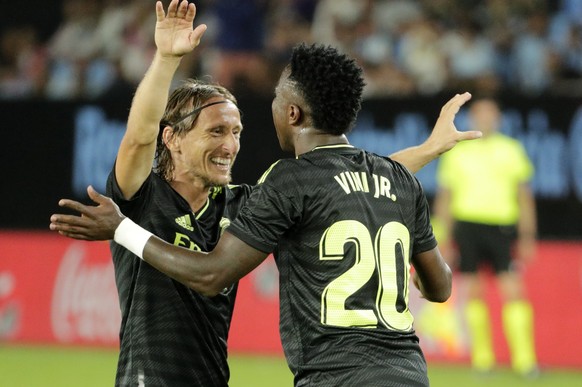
(216, 131)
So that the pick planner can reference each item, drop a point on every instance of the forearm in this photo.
(206, 273)
(439, 290)
(151, 97)
(416, 157)
(191, 268)
(434, 278)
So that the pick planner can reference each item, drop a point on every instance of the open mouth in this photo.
(221, 163)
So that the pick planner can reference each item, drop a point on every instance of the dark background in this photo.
(38, 138)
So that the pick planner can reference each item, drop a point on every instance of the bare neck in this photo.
(194, 192)
(307, 139)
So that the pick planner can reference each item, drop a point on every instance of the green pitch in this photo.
(31, 366)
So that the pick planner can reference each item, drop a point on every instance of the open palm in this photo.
(175, 35)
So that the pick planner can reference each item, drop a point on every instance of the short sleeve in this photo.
(267, 215)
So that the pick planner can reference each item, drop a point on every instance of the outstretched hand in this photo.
(95, 222)
(445, 135)
(175, 35)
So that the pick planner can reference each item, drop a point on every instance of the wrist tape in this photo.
(132, 237)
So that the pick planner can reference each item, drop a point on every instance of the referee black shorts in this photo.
(484, 244)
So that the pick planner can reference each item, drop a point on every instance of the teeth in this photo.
(220, 161)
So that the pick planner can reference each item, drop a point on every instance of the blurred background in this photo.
(68, 70)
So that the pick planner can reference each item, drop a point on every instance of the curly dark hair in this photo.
(331, 83)
(191, 95)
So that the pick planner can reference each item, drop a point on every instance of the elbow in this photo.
(208, 285)
(443, 291)
(440, 297)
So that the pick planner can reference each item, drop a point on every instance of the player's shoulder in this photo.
(230, 191)
(281, 170)
(380, 161)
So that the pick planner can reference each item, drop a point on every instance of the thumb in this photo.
(196, 35)
(470, 135)
(96, 196)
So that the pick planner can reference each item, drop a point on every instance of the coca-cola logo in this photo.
(85, 307)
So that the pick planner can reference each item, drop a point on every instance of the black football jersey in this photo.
(342, 224)
(170, 335)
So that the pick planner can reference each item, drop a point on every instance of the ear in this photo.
(169, 139)
(294, 115)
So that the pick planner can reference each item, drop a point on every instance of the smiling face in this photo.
(207, 152)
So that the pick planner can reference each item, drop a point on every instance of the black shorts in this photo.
(395, 365)
(484, 244)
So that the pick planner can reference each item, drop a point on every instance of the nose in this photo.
(231, 143)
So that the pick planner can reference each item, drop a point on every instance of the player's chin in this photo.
(221, 179)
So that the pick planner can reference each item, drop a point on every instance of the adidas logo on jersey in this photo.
(184, 221)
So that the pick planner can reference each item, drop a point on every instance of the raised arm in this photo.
(443, 137)
(174, 37)
(207, 273)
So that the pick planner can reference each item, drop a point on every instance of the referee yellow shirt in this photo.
(483, 177)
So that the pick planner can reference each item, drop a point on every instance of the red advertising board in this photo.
(57, 290)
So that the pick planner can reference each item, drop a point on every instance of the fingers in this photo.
(76, 206)
(67, 222)
(191, 12)
(75, 235)
(177, 9)
(68, 230)
(173, 8)
(160, 14)
(462, 98)
(455, 103)
(183, 9)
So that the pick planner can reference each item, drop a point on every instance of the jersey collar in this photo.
(330, 146)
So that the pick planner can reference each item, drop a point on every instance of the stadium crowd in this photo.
(406, 47)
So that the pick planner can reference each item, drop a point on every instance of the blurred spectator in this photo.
(394, 16)
(239, 62)
(405, 46)
(383, 76)
(573, 9)
(471, 59)
(532, 57)
(336, 22)
(422, 57)
(137, 41)
(565, 36)
(289, 22)
(73, 51)
(22, 63)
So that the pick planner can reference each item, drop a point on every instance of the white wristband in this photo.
(132, 237)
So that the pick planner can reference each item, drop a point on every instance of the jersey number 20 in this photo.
(378, 256)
